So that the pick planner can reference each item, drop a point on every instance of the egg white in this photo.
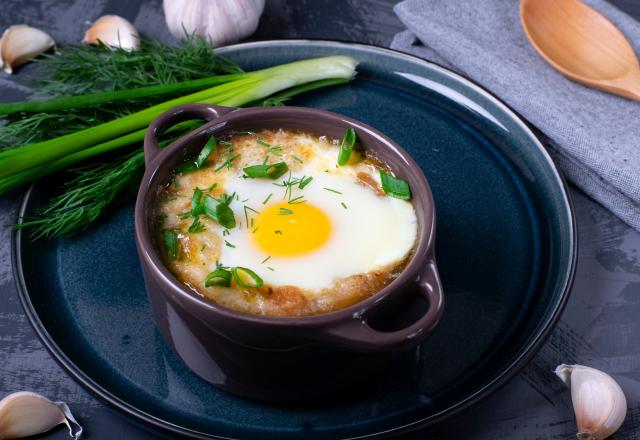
(372, 232)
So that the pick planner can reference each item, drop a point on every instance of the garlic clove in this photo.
(220, 21)
(598, 401)
(24, 413)
(114, 31)
(20, 43)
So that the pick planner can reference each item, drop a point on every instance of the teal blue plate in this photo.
(506, 249)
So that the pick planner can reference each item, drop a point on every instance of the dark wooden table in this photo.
(600, 327)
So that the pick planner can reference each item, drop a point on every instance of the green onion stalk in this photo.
(29, 162)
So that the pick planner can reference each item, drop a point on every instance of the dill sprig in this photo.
(86, 196)
(79, 68)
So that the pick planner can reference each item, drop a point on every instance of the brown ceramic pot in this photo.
(280, 358)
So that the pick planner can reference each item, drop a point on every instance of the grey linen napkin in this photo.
(593, 136)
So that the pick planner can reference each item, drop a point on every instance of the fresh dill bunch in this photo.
(86, 196)
(77, 69)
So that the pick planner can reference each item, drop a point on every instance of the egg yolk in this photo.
(285, 229)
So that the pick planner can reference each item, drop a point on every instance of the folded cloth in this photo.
(593, 136)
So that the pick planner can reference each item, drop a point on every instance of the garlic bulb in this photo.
(221, 21)
(114, 31)
(20, 43)
(23, 414)
(598, 401)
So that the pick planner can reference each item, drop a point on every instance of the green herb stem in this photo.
(97, 98)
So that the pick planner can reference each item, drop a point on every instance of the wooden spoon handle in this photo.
(627, 86)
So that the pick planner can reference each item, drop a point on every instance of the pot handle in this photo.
(358, 334)
(174, 116)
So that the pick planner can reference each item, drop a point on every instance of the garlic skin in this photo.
(20, 43)
(598, 401)
(24, 413)
(114, 31)
(221, 21)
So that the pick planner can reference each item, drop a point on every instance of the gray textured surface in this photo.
(593, 135)
(600, 326)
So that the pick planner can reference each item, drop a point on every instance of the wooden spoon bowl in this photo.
(582, 44)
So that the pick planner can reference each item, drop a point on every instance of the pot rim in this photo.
(420, 259)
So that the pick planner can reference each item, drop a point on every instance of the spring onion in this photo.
(171, 243)
(246, 277)
(346, 147)
(252, 87)
(219, 211)
(271, 171)
(395, 187)
(220, 277)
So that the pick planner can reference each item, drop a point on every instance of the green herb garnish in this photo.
(206, 152)
(348, 142)
(344, 205)
(171, 243)
(265, 260)
(196, 226)
(284, 211)
(395, 187)
(271, 171)
(229, 244)
(196, 202)
(264, 202)
(333, 190)
(246, 277)
(219, 211)
(305, 181)
(263, 143)
(220, 277)
(297, 159)
(227, 163)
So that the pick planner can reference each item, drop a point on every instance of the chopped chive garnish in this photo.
(171, 243)
(271, 269)
(251, 225)
(219, 211)
(265, 260)
(211, 188)
(209, 147)
(227, 143)
(225, 232)
(263, 143)
(332, 190)
(246, 277)
(305, 181)
(229, 244)
(297, 159)
(204, 246)
(254, 231)
(185, 215)
(295, 200)
(278, 232)
(176, 184)
(395, 187)
(271, 171)
(284, 211)
(196, 226)
(227, 163)
(219, 277)
(264, 202)
(344, 205)
(246, 214)
(348, 141)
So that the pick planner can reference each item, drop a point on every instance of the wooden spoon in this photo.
(582, 44)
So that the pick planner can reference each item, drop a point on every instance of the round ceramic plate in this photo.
(505, 248)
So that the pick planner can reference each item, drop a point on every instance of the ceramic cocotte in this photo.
(286, 358)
